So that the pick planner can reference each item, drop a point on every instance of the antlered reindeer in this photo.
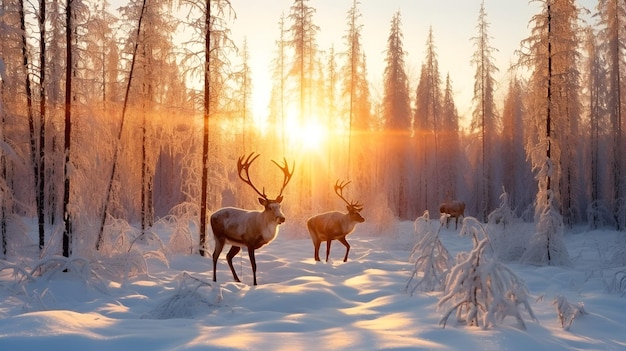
(454, 209)
(334, 225)
(249, 229)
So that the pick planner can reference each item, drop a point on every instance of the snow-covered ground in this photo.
(301, 304)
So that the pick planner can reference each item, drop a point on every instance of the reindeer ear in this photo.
(263, 201)
(279, 199)
(348, 208)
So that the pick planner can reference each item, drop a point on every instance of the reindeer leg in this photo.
(219, 245)
(316, 250)
(252, 263)
(229, 257)
(328, 248)
(345, 243)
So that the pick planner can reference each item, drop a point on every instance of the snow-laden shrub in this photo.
(429, 256)
(618, 283)
(181, 237)
(125, 251)
(192, 296)
(481, 290)
(599, 215)
(502, 215)
(546, 246)
(566, 311)
(506, 231)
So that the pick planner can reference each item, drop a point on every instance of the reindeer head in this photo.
(270, 206)
(354, 208)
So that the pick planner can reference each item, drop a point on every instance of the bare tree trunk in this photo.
(67, 233)
(205, 130)
(549, 121)
(41, 168)
(119, 132)
(29, 109)
(3, 167)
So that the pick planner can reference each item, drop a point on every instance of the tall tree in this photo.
(41, 145)
(516, 172)
(484, 117)
(277, 116)
(596, 110)
(612, 14)
(67, 213)
(450, 153)
(244, 101)
(304, 43)
(121, 127)
(428, 129)
(214, 34)
(548, 120)
(29, 109)
(350, 71)
(397, 117)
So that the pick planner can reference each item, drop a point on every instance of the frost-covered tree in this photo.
(507, 240)
(612, 36)
(481, 290)
(67, 134)
(484, 115)
(303, 32)
(598, 213)
(451, 154)
(550, 103)
(355, 101)
(516, 170)
(397, 117)
(243, 101)
(428, 129)
(429, 257)
(210, 30)
(277, 114)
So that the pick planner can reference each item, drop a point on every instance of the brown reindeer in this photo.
(334, 225)
(454, 209)
(250, 229)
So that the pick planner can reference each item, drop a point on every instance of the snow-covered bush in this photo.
(503, 215)
(506, 232)
(618, 283)
(598, 215)
(429, 256)
(546, 246)
(190, 298)
(481, 290)
(125, 251)
(567, 311)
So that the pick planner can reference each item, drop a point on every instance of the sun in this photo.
(308, 136)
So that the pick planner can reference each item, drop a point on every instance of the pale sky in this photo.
(453, 22)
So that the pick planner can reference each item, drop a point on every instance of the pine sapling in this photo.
(429, 255)
(481, 290)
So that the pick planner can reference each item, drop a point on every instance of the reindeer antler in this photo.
(245, 167)
(286, 173)
(339, 191)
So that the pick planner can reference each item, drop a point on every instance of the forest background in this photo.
(108, 116)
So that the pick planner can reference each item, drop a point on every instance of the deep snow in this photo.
(300, 303)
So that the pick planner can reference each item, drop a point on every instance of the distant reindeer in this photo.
(249, 229)
(452, 209)
(334, 225)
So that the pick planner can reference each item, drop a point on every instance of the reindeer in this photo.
(454, 209)
(249, 229)
(334, 225)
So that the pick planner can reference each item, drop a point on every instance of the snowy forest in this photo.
(110, 119)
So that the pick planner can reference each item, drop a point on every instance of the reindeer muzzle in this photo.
(280, 219)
